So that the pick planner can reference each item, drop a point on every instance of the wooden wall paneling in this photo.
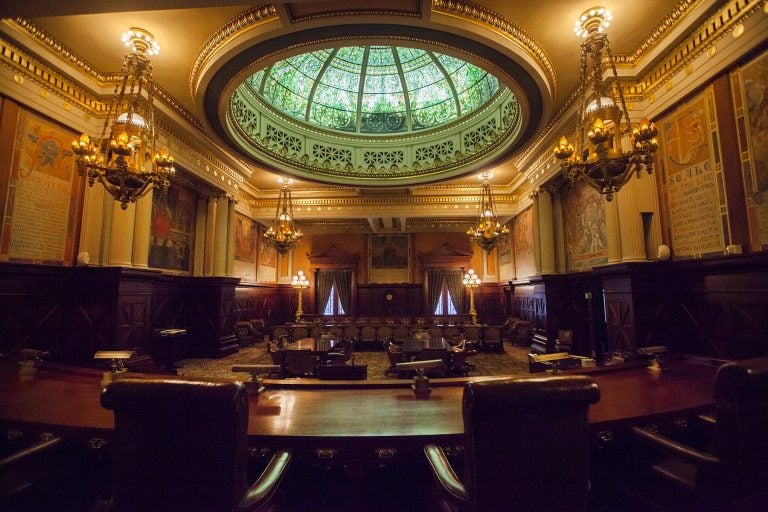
(256, 301)
(212, 316)
(490, 303)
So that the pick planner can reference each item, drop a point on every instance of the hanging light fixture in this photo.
(283, 234)
(610, 153)
(488, 230)
(126, 160)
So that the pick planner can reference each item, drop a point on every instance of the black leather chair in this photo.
(731, 473)
(183, 445)
(525, 447)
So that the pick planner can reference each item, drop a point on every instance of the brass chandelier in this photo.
(488, 230)
(283, 234)
(610, 153)
(127, 162)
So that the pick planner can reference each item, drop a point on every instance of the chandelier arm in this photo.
(617, 82)
(583, 102)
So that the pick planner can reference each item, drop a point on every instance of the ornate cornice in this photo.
(236, 26)
(481, 15)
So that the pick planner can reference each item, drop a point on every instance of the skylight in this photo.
(374, 89)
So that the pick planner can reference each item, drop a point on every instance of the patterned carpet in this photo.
(514, 360)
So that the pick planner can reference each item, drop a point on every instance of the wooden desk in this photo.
(364, 413)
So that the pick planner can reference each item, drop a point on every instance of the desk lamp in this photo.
(28, 358)
(420, 384)
(655, 352)
(258, 372)
(117, 366)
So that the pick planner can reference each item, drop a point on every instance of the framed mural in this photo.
(522, 234)
(246, 236)
(43, 198)
(586, 238)
(389, 258)
(504, 248)
(750, 98)
(692, 178)
(267, 268)
(172, 231)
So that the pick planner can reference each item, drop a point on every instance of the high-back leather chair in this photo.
(525, 447)
(182, 446)
(732, 472)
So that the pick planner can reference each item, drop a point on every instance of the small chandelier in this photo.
(611, 153)
(299, 282)
(488, 230)
(283, 234)
(127, 162)
(472, 281)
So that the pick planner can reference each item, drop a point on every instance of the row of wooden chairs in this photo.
(369, 336)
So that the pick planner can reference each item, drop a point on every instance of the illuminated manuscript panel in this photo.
(42, 194)
(692, 178)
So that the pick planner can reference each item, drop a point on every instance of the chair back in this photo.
(351, 333)
(179, 445)
(245, 333)
(526, 443)
(300, 332)
(741, 401)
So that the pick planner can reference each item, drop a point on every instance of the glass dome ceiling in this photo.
(375, 89)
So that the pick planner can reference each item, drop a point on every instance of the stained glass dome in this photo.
(374, 89)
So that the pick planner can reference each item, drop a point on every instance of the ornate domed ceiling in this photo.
(372, 105)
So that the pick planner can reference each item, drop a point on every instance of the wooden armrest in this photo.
(676, 449)
(444, 473)
(25, 454)
(266, 485)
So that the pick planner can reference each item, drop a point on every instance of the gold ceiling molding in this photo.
(653, 39)
(18, 61)
(498, 23)
(208, 163)
(715, 28)
(354, 12)
(94, 105)
(370, 202)
(237, 25)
